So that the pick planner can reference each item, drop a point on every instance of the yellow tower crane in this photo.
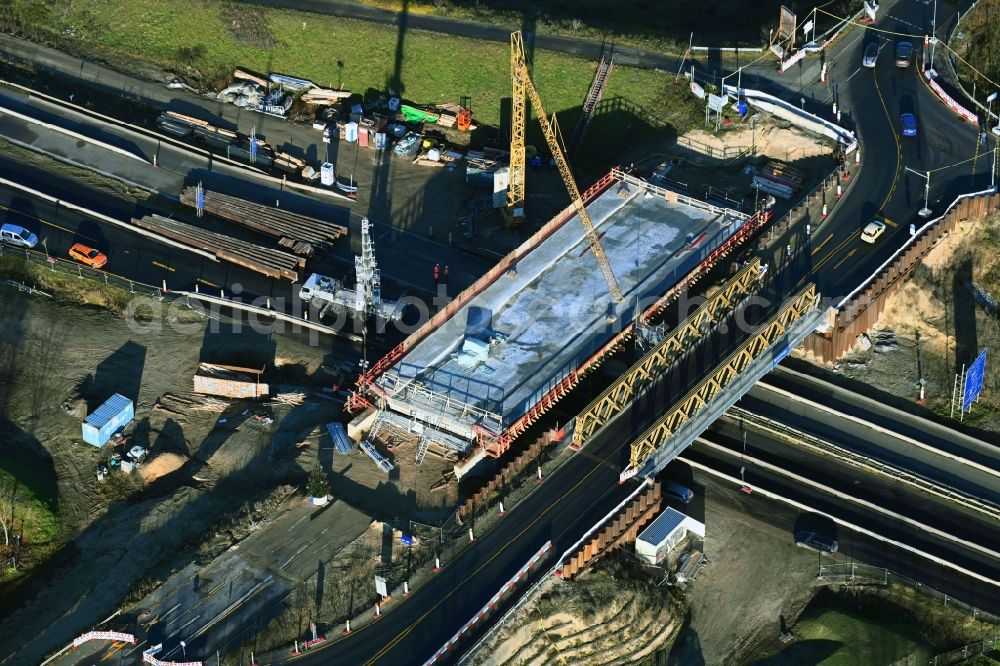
(523, 89)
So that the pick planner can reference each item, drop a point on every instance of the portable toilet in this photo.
(116, 413)
(326, 174)
(351, 132)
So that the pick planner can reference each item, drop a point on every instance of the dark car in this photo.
(822, 543)
(904, 54)
(909, 124)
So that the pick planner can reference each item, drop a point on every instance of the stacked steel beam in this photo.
(270, 262)
(300, 233)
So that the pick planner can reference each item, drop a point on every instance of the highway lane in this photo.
(825, 472)
(854, 546)
(967, 525)
(913, 425)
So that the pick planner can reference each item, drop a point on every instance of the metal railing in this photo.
(985, 646)
(64, 267)
(865, 574)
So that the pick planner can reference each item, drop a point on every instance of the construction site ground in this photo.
(709, 165)
(933, 325)
(755, 574)
(214, 469)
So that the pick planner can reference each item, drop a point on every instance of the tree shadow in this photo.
(966, 339)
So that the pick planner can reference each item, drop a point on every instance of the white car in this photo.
(871, 55)
(17, 235)
(872, 231)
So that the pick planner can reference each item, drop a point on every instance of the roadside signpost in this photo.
(968, 386)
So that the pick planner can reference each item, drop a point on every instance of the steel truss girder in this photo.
(658, 360)
(710, 387)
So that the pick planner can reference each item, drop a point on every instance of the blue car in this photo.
(909, 122)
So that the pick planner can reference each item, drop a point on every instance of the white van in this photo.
(15, 235)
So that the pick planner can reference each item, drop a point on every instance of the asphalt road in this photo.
(570, 501)
(963, 528)
(854, 546)
(871, 101)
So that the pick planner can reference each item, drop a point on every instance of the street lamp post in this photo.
(989, 119)
(933, 33)
(925, 211)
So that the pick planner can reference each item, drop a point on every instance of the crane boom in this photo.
(522, 84)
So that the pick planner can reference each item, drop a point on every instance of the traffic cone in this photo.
(840, 191)
(824, 211)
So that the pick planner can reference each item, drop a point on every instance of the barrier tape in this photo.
(509, 585)
(949, 101)
(150, 659)
(103, 636)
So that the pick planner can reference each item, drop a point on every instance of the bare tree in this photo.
(12, 501)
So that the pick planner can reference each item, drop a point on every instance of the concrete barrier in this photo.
(799, 117)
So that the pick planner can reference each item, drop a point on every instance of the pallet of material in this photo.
(299, 233)
(229, 381)
(249, 76)
(383, 463)
(267, 261)
(324, 96)
(342, 444)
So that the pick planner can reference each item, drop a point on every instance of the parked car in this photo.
(88, 255)
(904, 54)
(16, 235)
(676, 491)
(872, 231)
(909, 124)
(822, 543)
(871, 55)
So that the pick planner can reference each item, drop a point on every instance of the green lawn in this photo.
(192, 36)
(836, 638)
(663, 25)
(36, 515)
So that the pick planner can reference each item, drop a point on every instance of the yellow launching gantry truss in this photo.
(524, 88)
(712, 386)
(661, 357)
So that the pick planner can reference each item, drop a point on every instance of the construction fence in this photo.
(62, 267)
(864, 574)
(860, 311)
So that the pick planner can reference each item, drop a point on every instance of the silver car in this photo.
(871, 55)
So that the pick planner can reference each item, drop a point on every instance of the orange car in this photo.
(88, 255)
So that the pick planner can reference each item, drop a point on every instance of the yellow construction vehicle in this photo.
(524, 89)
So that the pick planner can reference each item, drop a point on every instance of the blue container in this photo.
(116, 413)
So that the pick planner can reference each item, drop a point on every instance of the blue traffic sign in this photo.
(974, 381)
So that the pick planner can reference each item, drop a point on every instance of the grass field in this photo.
(833, 637)
(664, 25)
(206, 39)
(36, 516)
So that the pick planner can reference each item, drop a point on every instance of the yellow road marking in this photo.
(391, 644)
(47, 223)
(895, 137)
(163, 266)
(831, 254)
(210, 284)
(890, 222)
(115, 647)
(848, 256)
(820, 246)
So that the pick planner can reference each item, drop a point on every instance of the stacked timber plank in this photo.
(298, 233)
(780, 179)
(229, 381)
(272, 263)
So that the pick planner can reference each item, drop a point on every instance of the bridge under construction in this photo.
(489, 364)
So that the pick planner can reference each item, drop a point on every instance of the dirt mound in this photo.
(161, 465)
(598, 619)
